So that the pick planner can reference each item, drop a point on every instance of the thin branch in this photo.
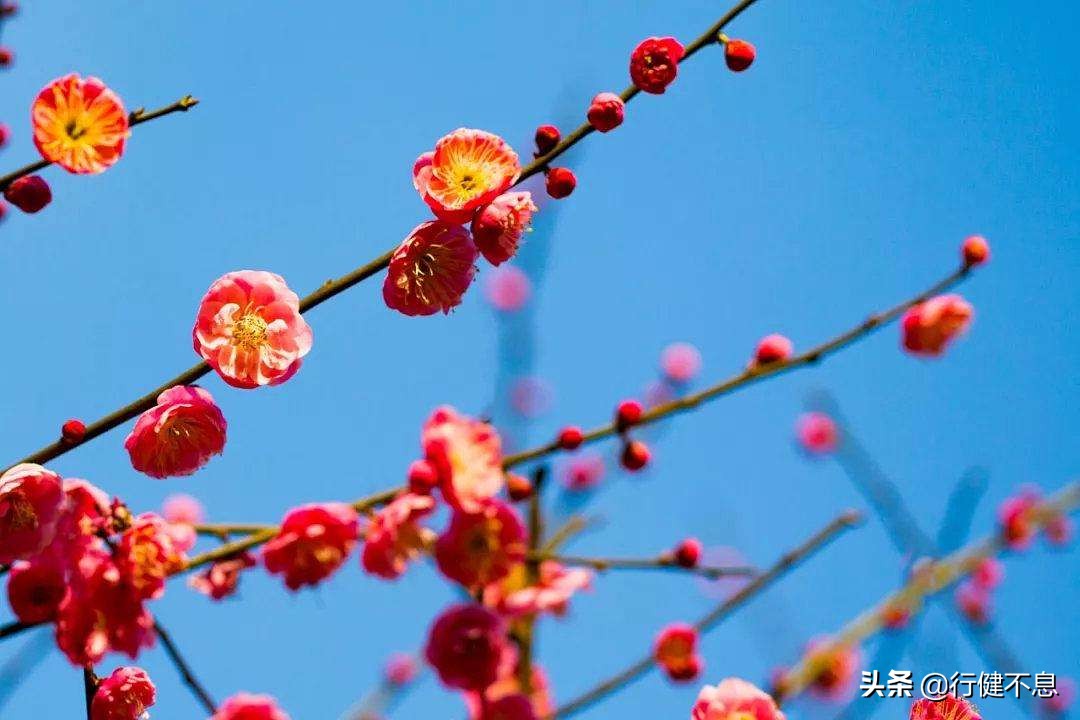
(135, 118)
(787, 561)
(754, 373)
(331, 287)
(90, 684)
(224, 530)
(576, 525)
(602, 564)
(184, 669)
(14, 628)
(944, 574)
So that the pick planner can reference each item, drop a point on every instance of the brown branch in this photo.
(14, 628)
(753, 373)
(185, 669)
(786, 562)
(331, 287)
(602, 564)
(135, 118)
(944, 573)
(90, 685)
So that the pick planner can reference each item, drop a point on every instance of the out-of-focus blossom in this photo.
(551, 593)
(249, 329)
(724, 586)
(178, 435)
(687, 553)
(988, 574)
(467, 454)
(221, 579)
(1015, 518)
(681, 362)
(675, 651)
(1059, 704)
(79, 124)
(498, 228)
(313, 542)
(508, 289)
(974, 602)
(468, 170)
(431, 269)
(1059, 530)
(182, 509)
(468, 647)
(509, 686)
(654, 63)
(400, 669)
(36, 589)
(817, 433)
(929, 327)
(832, 668)
(102, 613)
(31, 498)
(395, 536)
(949, 707)
(481, 547)
(530, 396)
(583, 472)
(735, 699)
(245, 706)
(124, 695)
(149, 552)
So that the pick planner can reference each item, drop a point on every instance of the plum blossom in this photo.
(401, 669)
(124, 695)
(508, 289)
(149, 552)
(468, 170)
(817, 433)
(498, 228)
(832, 667)
(929, 327)
(79, 124)
(949, 707)
(35, 589)
(431, 270)
(583, 472)
(31, 499)
(395, 536)
(249, 329)
(1015, 517)
(178, 435)
(681, 362)
(974, 601)
(551, 593)
(675, 651)
(735, 699)
(220, 580)
(245, 706)
(313, 542)
(481, 547)
(654, 63)
(468, 647)
(466, 454)
(505, 695)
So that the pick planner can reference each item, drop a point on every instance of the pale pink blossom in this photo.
(395, 536)
(817, 433)
(508, 289)
(249, 329)
(467, 455)
(735, 699)
(681, 362)
(552, 592)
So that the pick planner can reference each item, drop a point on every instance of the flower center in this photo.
(21, 513)
(73, 130)
(249, 331)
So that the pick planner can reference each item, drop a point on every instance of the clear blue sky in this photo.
(837, 176)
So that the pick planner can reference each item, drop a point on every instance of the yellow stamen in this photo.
(249, 331)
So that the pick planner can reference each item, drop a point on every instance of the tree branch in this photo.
(184, 669)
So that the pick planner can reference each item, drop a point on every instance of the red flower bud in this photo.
(423, 477)
(560, 182)
(570, 437)
(606, 111)
(655, 63)
(635, 455)
(8, 9)
(29, 194)
(5, 134)
(976, 251)
(73, 431)
(688, 553)
(772, 348)
(738, 54)
(518, 487)
(628, 413)
(547, 137)
(6, 57)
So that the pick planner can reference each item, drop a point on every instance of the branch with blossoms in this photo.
(829, 663)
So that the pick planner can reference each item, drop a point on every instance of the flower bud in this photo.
(606, 111)
(29, 194)
(738, 54)
(547, 137)
(560, 182)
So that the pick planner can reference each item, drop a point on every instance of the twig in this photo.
(135, 118)
(90, 684)
(14, 628)
(944, 573)
(185, 669)
(574, 526)
(601, 564)
(333, 287)
(753, 373)
(786, 562)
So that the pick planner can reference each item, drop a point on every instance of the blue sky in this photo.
(837, 176)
